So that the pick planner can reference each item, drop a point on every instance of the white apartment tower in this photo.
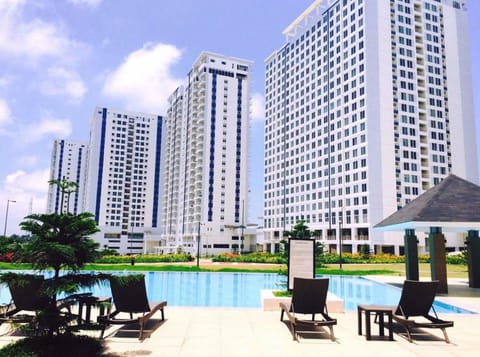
(69, 162)
(124, 189)
(368, 104)
(205, 197)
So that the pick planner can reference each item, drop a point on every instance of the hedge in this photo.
(167, 258)
(356, 258)
(250, 258)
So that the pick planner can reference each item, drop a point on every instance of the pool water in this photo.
(355, 290)
(243, 290)
(210, 289)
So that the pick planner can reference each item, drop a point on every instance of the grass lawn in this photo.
(251, 268)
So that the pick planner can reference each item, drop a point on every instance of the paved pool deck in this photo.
(224, 332)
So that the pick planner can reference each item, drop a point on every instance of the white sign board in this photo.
(301, 259)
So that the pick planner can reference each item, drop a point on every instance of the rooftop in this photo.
(292, 27)
(452, 204)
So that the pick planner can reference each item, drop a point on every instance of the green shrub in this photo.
(358, 258)
(250, 258)
(167, 258)
(54, 346)
(282, 293)
(460, 259)
(424, 258)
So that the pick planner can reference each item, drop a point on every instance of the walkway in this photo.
(230, 333)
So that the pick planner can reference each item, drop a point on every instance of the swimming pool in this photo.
(243, 290)
(355, 290)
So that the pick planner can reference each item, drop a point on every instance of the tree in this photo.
(66, 188)
(59, 241)
(300, 230)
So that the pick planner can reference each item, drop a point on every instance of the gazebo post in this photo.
(438, 261)
(473, 249)
(411, 254)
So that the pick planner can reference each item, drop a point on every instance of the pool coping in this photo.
(272, 303)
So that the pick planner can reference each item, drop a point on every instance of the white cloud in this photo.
(48, 126)
(92, 3)
(32, 183)
(33, 39)
(63, 82)
(4, 113)
(143, 81)
(29, 191)
(257, 107)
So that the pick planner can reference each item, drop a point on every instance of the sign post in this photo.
(301, 259)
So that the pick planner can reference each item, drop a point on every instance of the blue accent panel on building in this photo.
(59, 176)
(77, 179)
(238, 154)
(100, 165)
(212, 148)
(158, 156)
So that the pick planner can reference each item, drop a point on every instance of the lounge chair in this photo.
(28, 296)
(309, 297)
(417, 301)
(130, 296)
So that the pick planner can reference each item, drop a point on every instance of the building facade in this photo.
(68, 162)
(368, 105)
(206, 152)
(124, 185)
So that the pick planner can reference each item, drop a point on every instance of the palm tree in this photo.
(66, 188)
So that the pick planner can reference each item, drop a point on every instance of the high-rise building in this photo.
(206, 151)
(69, 162)
(368, 105)
(124, 186)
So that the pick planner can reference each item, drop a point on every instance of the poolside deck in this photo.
(221, 332)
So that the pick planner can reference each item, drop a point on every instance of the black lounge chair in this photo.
(417, 301)
(130, 296)
(28, 296)
(309, 297)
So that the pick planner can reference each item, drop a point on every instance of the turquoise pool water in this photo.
(243, 290)
(356, 290)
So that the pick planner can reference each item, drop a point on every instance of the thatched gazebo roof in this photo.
(453, 205)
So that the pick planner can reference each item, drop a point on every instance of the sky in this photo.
(59, 59)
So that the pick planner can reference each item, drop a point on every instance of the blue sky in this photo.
(59, 59)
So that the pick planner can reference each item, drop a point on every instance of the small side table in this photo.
(380, 311)
(89, 301)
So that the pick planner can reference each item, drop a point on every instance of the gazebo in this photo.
(453, 205)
